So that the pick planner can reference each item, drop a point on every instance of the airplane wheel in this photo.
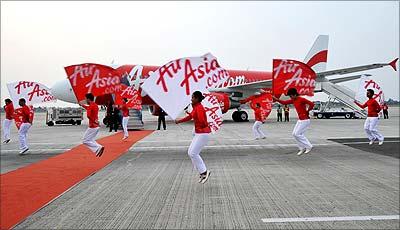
(243, 116)
(320, 116)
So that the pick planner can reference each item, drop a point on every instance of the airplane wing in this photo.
(349, 78)
(357, 69)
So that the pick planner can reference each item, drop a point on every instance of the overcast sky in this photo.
(39, 38)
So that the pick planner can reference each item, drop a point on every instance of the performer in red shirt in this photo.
(201, 133)
(303, 108)
(9, 110)
(25, 126)
(92, 112)
(373, 117)
(125, 118)
(258, 133)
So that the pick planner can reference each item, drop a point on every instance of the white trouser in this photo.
(257, 130)
(7, 128)
(88, 139)
(298, 134)
(370, 128)
(198, 142)
(22, 132)
(125, 126)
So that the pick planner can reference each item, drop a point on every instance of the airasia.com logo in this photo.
(297, 80)
(211, 111)
(36, 91)
(111, 82)
(190, 73)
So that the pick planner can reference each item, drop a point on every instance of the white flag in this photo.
(172, 85)
(32, 92)
(367, 83)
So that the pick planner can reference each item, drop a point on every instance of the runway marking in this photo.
(337, 218)
(33, 150)
(138, 148)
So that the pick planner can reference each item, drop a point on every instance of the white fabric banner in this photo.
(32, 92)
(367, 83)
(172, 85)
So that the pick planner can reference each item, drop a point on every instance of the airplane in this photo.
(243, 84)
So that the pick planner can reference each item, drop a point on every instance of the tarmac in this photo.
(255, 184)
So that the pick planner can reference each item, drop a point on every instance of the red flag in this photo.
(18, 116)
(133, 95)
(93, 78)
(292, 74)
(265, 101)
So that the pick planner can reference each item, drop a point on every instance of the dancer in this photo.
(258, 133)
(9, 110)
(201, 133)
(372, 118)
(125, 118)
(300, 104)
(25, 126)
(92, 112)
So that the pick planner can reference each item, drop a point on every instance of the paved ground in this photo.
(155, 186)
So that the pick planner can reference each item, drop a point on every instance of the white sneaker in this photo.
(371, 142)
(256, 138)
(201, 178)
(380, 143)
(205, 178)
(308, 150)
(263, 137)
(23, 151)
(124, 138)
(301, 152)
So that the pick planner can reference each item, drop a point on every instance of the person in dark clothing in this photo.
(279, 111)
(286, 110)
(385, 111)
(161, 118)
(114, 119)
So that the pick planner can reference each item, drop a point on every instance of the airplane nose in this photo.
(62, 90)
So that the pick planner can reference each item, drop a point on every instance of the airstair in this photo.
(135, 120)
(344, 95)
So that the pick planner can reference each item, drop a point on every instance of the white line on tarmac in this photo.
(33, 150)
(243, 146)
(337, 218)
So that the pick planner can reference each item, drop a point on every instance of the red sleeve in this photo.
(285, 102)
(309, 103)
(85, 106)
(185, 119)
(378, 106)
(361, 105)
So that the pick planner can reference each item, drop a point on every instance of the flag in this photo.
(292, 74)
(171, 85)
(32, 92)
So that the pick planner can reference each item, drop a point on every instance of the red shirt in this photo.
(257, 114)
(92, 112)
(25, 112)
(300, 104)
(373, 107)
(200, 119)
(125, 111)
(9, 109)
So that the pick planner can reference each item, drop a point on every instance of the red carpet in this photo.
(27, 189)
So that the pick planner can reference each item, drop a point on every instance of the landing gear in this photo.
(240, 116)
